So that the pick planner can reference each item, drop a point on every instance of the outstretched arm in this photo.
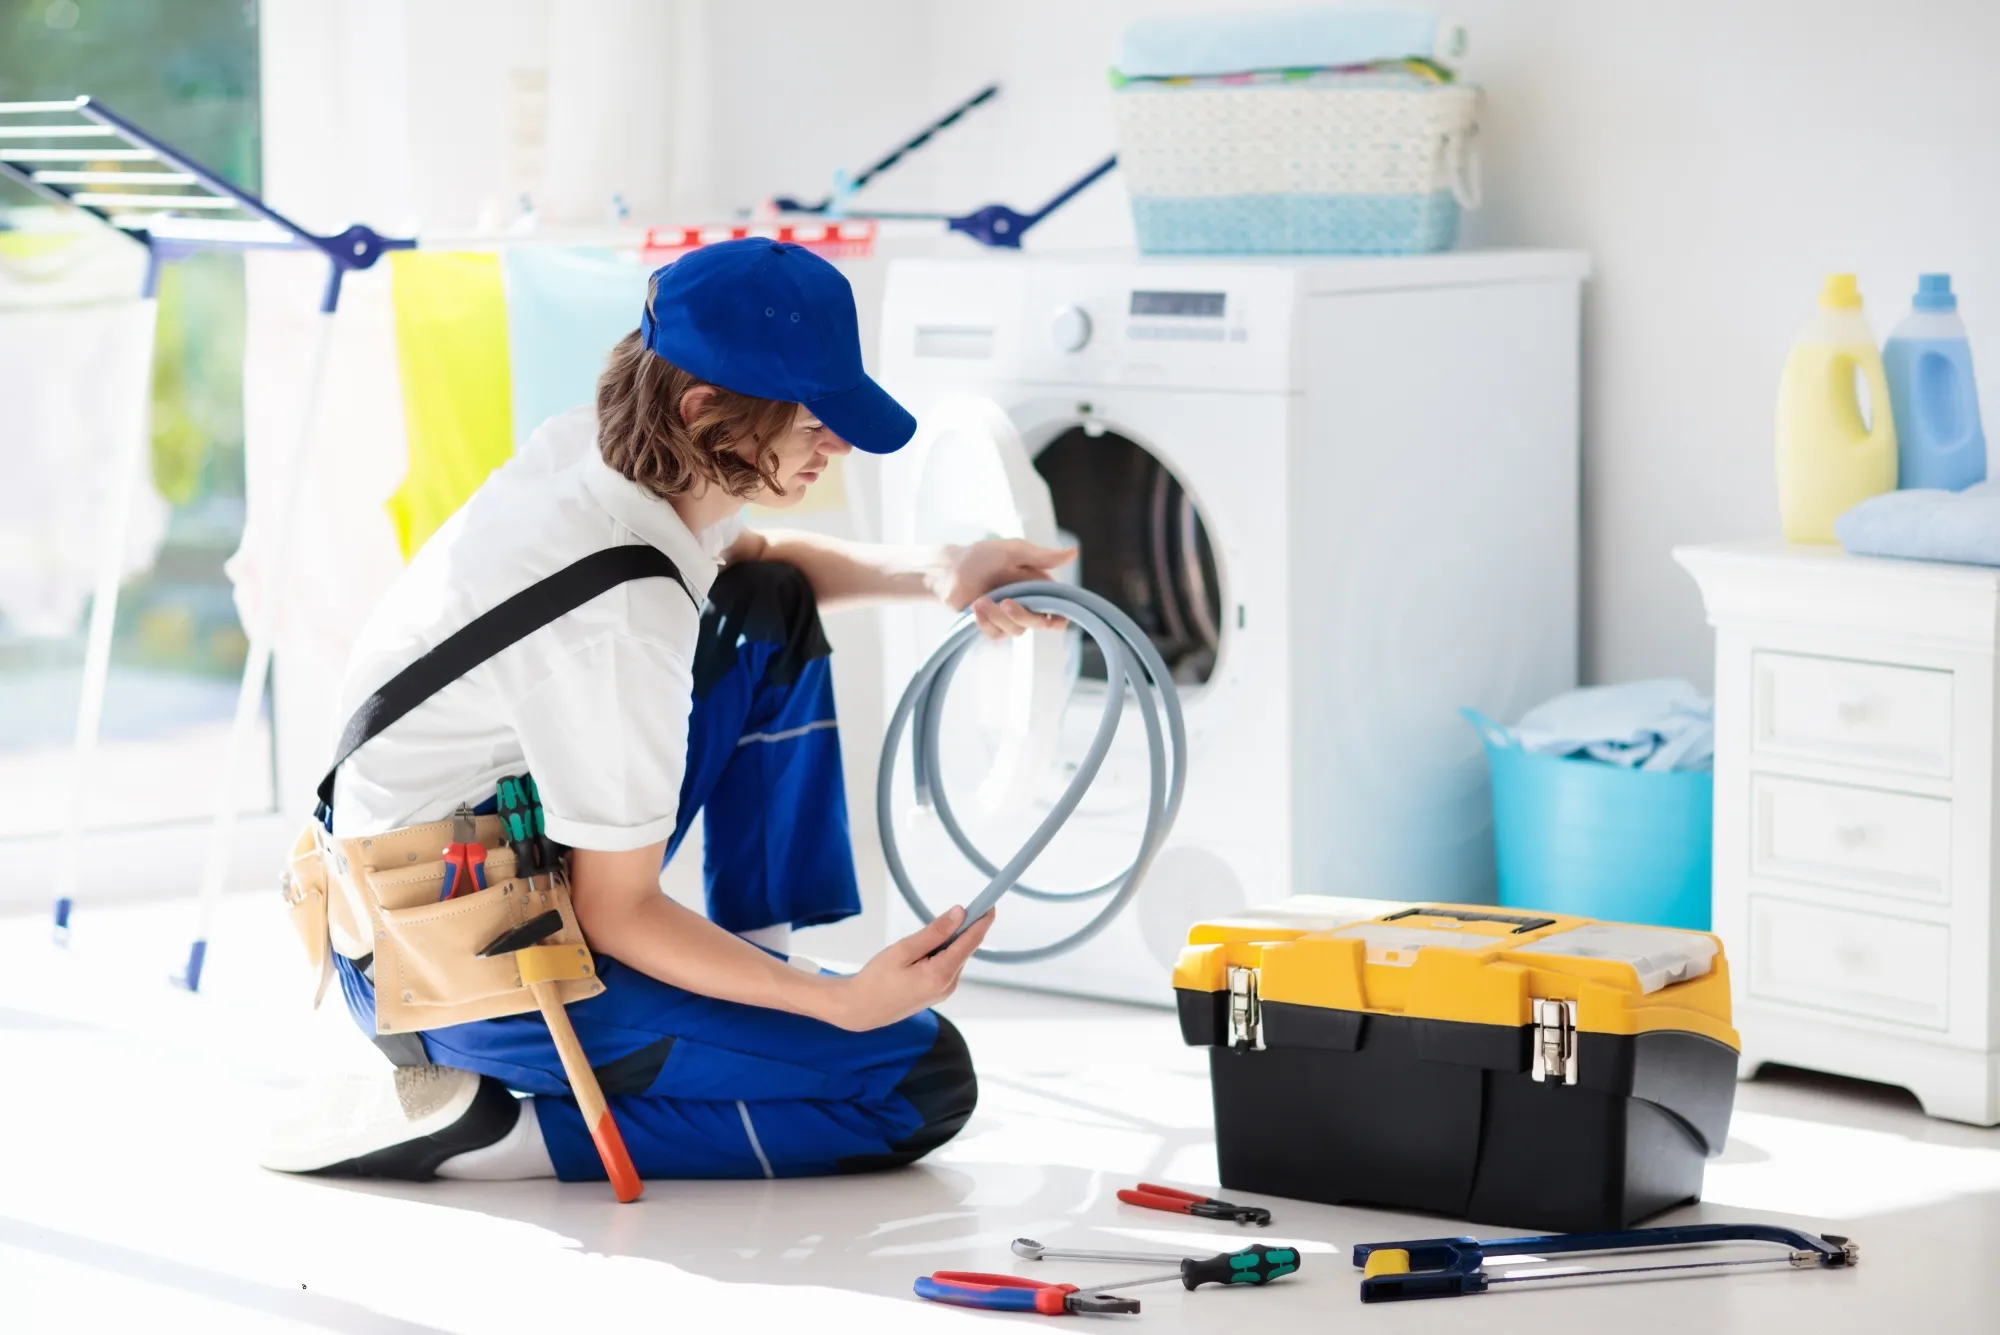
(624, 915)
(847, 574)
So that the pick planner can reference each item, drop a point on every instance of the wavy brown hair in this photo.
(641, 434)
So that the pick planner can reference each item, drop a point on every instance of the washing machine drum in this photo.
(1143, 547)
(975, 480)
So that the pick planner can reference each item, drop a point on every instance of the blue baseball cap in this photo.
(774, 321)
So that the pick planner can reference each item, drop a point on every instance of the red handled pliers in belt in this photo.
(464, 856)
(1183, 1202)
(1012, 1293)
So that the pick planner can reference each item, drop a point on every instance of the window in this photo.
(187, 70)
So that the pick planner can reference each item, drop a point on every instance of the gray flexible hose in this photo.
(1132, 665)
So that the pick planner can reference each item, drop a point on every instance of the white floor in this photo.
(128, 1199)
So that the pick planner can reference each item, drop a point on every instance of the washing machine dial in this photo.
(1071, 329)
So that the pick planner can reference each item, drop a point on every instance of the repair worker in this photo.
(645, 705)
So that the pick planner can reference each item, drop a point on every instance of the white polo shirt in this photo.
(595, 704)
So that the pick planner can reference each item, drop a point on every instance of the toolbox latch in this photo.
(1246, 1015)
(1555, 1041)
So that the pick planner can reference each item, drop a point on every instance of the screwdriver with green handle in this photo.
(519, 806)
(1252, 1265)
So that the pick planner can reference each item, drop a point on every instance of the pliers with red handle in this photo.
(1183, 1202)
(1012, 1293)
(464, 856)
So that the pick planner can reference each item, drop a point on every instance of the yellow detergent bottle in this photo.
(1829, 458)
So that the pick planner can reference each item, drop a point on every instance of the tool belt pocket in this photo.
(427, 968)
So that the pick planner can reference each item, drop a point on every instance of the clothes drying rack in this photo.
(80, 153)
(993, 225)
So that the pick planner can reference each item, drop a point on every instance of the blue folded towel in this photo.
(1924, 525)
(1651, 725)
(1324, 36)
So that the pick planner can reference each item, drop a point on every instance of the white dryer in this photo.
(1340, 495)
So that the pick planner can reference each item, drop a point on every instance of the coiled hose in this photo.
(1132, 666)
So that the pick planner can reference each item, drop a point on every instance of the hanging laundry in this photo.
(76, 356)
(566, 309)
(346, 548)
(451, 346)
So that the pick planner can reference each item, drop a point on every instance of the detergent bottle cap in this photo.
(1934, 293)
(1841, 293)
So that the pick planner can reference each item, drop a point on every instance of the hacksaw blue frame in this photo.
(1453, 1267)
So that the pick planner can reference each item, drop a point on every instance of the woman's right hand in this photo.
(901, 980)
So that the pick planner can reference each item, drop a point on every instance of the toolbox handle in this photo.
(1521, 924)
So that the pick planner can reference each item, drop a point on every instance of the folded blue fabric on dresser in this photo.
(1922, 525)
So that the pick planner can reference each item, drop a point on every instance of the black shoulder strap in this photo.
(490, 632)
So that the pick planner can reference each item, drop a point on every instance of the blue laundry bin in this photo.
(1597, 840)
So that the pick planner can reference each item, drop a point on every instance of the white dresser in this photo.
(1855, 867)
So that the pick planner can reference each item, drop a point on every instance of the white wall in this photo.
(1714, 158)
(1718, 159)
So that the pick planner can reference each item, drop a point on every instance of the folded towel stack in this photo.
(1320, 37)
(1925, 525)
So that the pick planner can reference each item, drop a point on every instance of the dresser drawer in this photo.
(1852, 713)
(1855, 838)
(1857, 963)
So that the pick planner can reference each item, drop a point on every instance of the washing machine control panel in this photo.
(1188, 326)
(1194, 324)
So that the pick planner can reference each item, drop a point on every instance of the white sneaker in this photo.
(401, 1124)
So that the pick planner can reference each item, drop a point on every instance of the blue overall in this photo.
(703, 1088)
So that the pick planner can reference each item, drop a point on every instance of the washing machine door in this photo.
(975, 481)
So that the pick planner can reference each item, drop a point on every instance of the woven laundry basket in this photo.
(1335, 163)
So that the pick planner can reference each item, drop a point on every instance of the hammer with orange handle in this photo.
(542, 967)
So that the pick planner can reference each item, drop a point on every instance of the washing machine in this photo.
(1341, 498)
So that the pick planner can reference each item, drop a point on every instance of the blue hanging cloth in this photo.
(566, 309)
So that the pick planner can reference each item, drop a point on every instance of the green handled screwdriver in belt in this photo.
(519, 806)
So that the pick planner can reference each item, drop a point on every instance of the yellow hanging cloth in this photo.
(451, 348)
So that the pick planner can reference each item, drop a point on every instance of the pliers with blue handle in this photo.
(1011, 1293)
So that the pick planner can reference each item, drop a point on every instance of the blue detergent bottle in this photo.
(1928, 363)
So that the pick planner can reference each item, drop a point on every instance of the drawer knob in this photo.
(1852, 958)
(1851, 708)
(1850, 834)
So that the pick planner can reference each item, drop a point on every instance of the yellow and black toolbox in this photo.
(1524, 1069)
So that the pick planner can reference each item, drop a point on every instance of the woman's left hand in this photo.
(970, 573)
